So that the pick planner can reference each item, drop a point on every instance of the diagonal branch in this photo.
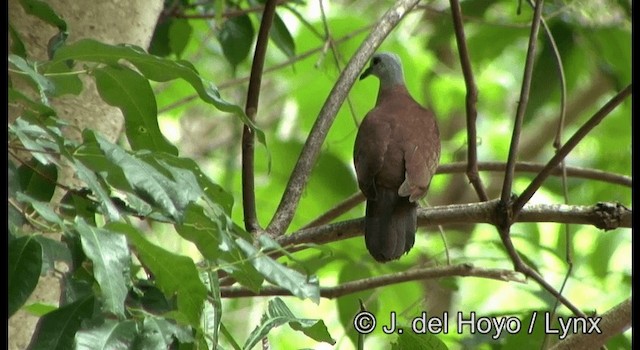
(462, 270)
(471, 100)
(522, 106)
(613, 322)
(310, 151)
(568, 146)
(248, 139)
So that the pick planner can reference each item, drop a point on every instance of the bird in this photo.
(396, 153)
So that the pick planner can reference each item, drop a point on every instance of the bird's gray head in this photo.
(387, 67)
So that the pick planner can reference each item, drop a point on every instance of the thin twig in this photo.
(522, 107)
(311, 149)
(336, 211)
(290, 61)
(471, 101)
(248, 139)
(572, 171)
(462, 270)
(568, 146)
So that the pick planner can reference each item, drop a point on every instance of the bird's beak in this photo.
(366, 73)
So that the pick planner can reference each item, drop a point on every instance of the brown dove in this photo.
(396, 153)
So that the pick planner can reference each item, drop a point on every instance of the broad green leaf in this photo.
(214, 193)
(154, 68)
(299, 285)
(159, 45)
(43, 11)
(17, 45)
(38, 180)
(149, 183)
(45, 86)
(111, 334)
(159, 333)
(236, 39)
(63, 77)
(124, 88)
(89, 177)
(57, 329)
(52, 251)
(111, 260)
(211, 235)
(39, 309)
(282, 37)
(278, 314)
(25, 264)
(39, 108)
(36, 139)
(179, 35)
(42, 208)
(175, 274)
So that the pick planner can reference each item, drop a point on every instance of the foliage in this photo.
(127, 287)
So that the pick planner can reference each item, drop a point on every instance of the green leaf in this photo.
(278, 314)
(215, 195)
(17, 45)
(153, 68)
(162, 190)
(38, 180)
(179, 35)
(89, 177)
(52, 251)
(39, 108)
(41, 142)
(210, 233)
(109, 335)
(57, 329)
(39, 309)
(43, 11)
(124, 88)
(159, 333)
(175, 274)
(111, 260)
(59, 73)
(25, 264)
(299, 285)
(282, 37)
(45, 86)
(42, 208)
(236, 39)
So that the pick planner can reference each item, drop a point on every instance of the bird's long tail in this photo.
(390, 225)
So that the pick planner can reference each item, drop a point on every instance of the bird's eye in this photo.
(376, 60)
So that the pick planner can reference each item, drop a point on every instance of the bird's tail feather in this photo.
(390, 225)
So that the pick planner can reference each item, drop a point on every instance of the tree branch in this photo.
(471, 100)
(248, 140)
(462, 270)
(606, 216)
(522, 106)
(459, 167)
(302, 170)
(568, 146)
(613, 322)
